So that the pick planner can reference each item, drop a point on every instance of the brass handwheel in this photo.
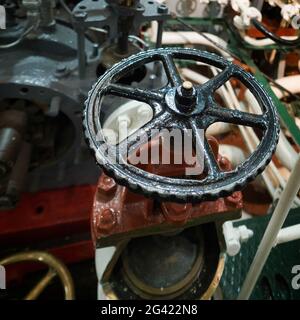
(56, 267)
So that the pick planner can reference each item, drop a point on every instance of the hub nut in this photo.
(186, 97)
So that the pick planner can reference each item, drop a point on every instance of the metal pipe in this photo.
(281, 211)
(10, 142)
(47, 13)
(188, 38)
(159, 35)
(79, 19)
(288, 234)
(284, 151)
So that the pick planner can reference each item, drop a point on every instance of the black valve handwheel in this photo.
(184, 107)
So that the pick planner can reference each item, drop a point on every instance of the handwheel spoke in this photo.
(237, 117)
(143, 95)
(210, 163)
(202, 145)
(171, 70)
(218, 81)
(41, 285)
(143, 135)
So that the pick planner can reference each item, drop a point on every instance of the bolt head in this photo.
(61, 68)
(177, 212)
(80, 15)
(107, 184)
(162, 8)
(106, 220)
(178, 207)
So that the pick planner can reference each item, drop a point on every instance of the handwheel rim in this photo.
(52, 262)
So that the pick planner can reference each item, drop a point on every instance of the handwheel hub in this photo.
(185, 99)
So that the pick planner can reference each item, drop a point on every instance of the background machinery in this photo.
(227, 67)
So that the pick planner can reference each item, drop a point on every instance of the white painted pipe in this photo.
(250, 138)
(279, 215)
(271, 176)
(262, 42)
(218, 128)
(235, 236)
(278, 3)
(288, 234)
(284, 151)
(281, 68)
(291, 83)
(196, 77)
(234, 154)
(189, 38)
(192, 38)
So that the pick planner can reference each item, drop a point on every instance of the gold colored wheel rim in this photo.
(56, 267)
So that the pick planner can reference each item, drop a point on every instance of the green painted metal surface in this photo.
(275, 282)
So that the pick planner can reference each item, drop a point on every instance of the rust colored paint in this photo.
(120, 214)
(47, 214)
